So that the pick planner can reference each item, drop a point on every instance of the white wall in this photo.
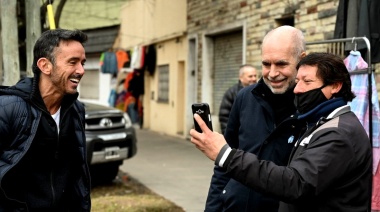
(105, 82)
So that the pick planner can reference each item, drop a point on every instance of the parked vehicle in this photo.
(110, 139)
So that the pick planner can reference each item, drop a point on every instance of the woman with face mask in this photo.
(330, 166)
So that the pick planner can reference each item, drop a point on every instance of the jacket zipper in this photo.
(56, 155)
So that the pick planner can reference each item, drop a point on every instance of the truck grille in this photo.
(94, 123)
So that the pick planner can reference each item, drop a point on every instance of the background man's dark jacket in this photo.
(226, 104)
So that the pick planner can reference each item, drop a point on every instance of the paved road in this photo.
(171, 167)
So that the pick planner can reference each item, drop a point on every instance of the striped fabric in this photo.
(359, 105)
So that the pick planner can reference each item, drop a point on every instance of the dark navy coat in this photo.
(252, 128)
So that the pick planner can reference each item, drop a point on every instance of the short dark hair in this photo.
(331, 69)
(49, 40)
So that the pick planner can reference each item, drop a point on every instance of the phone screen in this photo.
(203, 110)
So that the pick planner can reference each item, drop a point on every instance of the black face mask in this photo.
(305, 102)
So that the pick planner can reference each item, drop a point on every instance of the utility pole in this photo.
(33, 31)
(9, 40)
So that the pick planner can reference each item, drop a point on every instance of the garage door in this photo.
(228, 51)
(89, 85)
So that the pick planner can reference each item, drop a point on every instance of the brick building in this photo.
(223, 34)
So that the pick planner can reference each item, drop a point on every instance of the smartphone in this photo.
(203, 110)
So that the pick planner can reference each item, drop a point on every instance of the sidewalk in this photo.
(171, 167)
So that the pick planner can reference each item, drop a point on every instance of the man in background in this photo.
(247, 76)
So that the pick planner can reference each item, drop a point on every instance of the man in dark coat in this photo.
(260, 122)
(247, 76)
(43, 163)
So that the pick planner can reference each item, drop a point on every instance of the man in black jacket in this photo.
(43, 163)
(330, 167)
(260, 122)
(247, 76)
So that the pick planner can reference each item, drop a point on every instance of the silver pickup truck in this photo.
(110, 139)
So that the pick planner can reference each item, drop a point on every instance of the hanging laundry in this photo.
(138, 57)
(376, 191)
(127, 64)
(121, 57)
(109, 63)
(128, 78)
(136, 84)
(101, 59)
(112, 98)
(360, 106)
(150, 59)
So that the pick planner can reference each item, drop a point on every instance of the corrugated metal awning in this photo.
(100, 39)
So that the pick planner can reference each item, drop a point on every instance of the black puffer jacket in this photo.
(226, 104)
(21, 112)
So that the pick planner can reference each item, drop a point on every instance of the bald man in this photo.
(260, 122)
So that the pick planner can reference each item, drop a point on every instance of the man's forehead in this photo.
(277, 55)
(276, 60)
(306, 70)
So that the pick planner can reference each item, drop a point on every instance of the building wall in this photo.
(163, 24)
(95, 85)
(167, 117)
(146, 22)
(316, 18)
(196, 23)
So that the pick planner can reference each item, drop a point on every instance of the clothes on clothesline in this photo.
(360, 106)
(112, 98)
(130, 85)
(376, 191)
(150, 59)
(130, 88)
(138, 56)
(122, 57)
(109, 63)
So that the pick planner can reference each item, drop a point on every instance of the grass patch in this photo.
(127, 194)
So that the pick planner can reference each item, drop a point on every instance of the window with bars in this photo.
(163, 83)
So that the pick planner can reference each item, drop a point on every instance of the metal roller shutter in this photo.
(228, 51)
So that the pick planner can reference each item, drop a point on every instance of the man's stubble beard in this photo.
(282, 90)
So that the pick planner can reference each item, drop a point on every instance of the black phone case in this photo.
(203, 110)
